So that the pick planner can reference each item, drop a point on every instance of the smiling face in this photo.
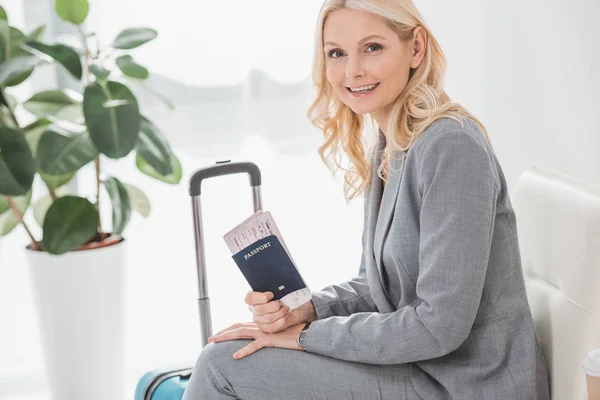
(366, 62)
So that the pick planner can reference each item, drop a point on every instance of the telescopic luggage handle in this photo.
(223, 168)
(220, 168)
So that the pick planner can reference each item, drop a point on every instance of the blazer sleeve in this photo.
(458, 184)
(345, 299)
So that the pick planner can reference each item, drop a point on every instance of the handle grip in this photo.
(223, 168)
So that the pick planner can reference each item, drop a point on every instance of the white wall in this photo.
(529, 69)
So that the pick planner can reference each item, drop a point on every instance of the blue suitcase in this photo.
(170, 383)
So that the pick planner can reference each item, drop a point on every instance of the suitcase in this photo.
(170, 383)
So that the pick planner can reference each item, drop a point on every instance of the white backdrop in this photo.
(528, 69)
(531, 71)
(239, 76)
(208, 43)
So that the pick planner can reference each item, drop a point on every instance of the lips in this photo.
(358, 95)
(356, 87)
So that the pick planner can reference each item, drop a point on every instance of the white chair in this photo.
(558, 222)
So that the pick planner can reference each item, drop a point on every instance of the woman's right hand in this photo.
(274, 316)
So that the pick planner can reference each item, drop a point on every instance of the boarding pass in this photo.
(254, 228)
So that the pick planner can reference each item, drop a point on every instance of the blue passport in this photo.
(267, 267)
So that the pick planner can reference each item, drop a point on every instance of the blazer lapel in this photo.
(374, 194)
(380, 210)
(374, 199)
(388, 204)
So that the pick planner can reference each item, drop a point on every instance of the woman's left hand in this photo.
(285, 339)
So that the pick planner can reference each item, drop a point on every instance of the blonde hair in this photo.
(421, 103)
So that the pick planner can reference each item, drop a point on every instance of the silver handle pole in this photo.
(203, 300)
(257, 198)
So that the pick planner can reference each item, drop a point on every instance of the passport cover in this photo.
(268, 268)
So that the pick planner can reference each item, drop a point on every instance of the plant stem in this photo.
(86, 70)
(13, 117)
(15, 209)
(97, 164)
(83, 40)
(11, 112)
(51, 191)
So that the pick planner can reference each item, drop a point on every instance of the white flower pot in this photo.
(79, 298)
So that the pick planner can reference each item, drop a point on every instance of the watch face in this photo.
(301, 338)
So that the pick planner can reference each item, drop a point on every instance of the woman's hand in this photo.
(286, 339)
(273, 316)
(269, 316)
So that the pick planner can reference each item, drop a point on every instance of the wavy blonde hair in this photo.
(421, 103)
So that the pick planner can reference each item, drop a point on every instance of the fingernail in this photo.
(236, 355)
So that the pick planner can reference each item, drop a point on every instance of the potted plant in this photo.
(76, 264)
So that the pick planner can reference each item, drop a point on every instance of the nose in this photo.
(354, 68)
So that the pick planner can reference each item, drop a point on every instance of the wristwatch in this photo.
(301, 337)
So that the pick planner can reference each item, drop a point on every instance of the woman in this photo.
(439, 309)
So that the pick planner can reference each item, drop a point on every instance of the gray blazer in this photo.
(440, 285)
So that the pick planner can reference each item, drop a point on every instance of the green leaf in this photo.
(6, 119)
(61, 104)
(17, 167)
(72, 113)
(37, 34)
(173, 178)
(121, 204)
(59, 155)
(112, 117)
(74, 11)
(131, 68)
(13, 70)
(40, 208)
(3, 15)
(3, 99)
(57, 181)
(7, 100)
(16, 40)
(70, 222)
(19, 78)
(99, 71)
(139, 200)
(63, 54)
(9, 220)
(153, 147)
(131, 38)
(3, 205)
(4, 40)
(34, 131)
(11, 100)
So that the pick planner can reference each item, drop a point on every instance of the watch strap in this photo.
(300, 338)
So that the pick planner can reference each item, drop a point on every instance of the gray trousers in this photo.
(274, 374)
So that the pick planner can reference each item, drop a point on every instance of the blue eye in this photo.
(332, 53)
(375, 46)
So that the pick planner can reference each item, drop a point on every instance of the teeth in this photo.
(363, 88)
